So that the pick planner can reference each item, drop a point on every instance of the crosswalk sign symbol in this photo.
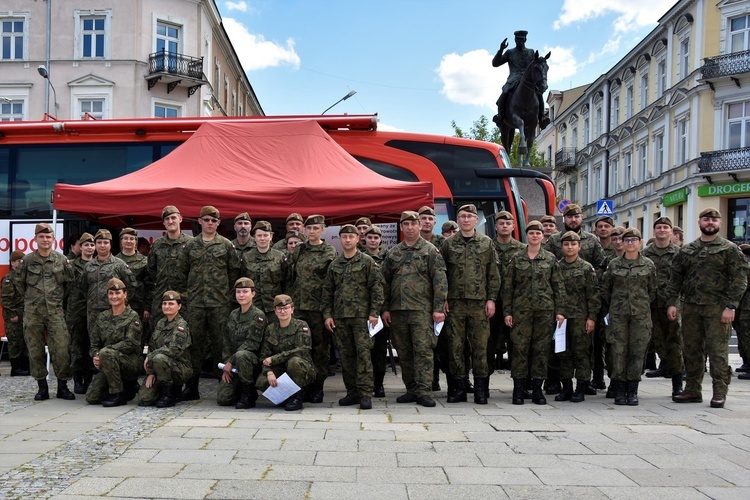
(604, 207)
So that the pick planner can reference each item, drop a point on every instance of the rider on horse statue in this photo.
(518, 60)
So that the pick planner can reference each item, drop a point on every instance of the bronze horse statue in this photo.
(523, 108)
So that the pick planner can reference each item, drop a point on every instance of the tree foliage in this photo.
(482, 130)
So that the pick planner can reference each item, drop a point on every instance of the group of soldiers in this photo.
(248, 312)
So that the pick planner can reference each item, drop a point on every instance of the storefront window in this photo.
(736, 229)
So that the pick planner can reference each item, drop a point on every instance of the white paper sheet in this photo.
(283, 391)
(559, 336)
(375, 329)
(439, 327)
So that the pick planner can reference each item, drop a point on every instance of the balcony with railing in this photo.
(565, 160)
(175, 70)
(724, 160)
(726, 65)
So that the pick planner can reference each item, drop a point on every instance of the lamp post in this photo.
(42, 70)
(347, 96)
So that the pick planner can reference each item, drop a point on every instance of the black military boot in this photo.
(78, 387)
(611, 390)
(18, 368)
(744, 367)
(191, 393)
(365, 403)
(114, 400)
(621, 397)
(131, 389)
(659, 372)
(349, 400)
(598, 381)
(580, 392)
(567, 391)
(43, 392)
(318, 394)
(467, 385)
(552, 383)
(632, 394)
(166, 395)
(537, 396)
(480, 390)
(63, 392)
(248, 398)
(451, 386)
(295, 402)
(88, 376)
(527, 388)
(436, 378)
(459, 392)
(518, 384)
(676, 384)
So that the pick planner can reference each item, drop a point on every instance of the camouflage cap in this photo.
(570, 236)
(548, 219)
(242, 216)
(85, 237)
(116, 284)
(171, 295)
(42, 228)
(426, 210)
(348, 228)
(448, 226)
(605, 218)
(572, 209)
(663, 220)
(617, 231)
(363, 221)
(374, 230)
(504, 215)
(294, 234)
(409, 215)
(676, 229)
(209, 210)
(710, 212)
(16, 255)
(469, 207)
(263, 225)
(282, 300)
(169, 210)
(534, 225)
(244, 283)
(103, 234)
(128, 230)
(315, 219)
(631, 232)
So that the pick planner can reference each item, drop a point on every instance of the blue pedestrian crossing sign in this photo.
(604, 207)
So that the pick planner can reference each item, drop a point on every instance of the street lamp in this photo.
(45, 74)
(347, 96)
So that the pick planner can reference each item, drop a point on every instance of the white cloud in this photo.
(470, 78)
(384, 127)
(241, 6)
(632, 14)
(562, 64)
(255, 52)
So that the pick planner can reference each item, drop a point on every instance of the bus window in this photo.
(386, 170)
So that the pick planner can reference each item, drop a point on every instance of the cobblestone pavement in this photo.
(67, 449)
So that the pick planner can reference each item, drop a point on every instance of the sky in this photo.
(420, 64)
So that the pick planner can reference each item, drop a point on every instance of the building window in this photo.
(739, 27)
(586, 131)
(682, 141)
(628, 165)
(92, 36)
(629, 102)
(644, 90)
(739, 125)
(614, 175)
(661, 78)
(585, 189)
(13, 36)
(615, 111)
(573, 189)
(684, 59)
(11, 111)
(659, 153)
(642, 162)
(598, 121)
(94, 107)
(598, 181)
(574, 138)
(217, 82)
(166, 111)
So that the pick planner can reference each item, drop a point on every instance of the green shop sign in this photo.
(675, 197)
(724, 189)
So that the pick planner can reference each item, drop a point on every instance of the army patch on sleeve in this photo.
(180, 329)
(305, 329)
(137, 323)
(260, 319)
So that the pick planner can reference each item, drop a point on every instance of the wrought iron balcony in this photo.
(175, 69)
(726, 65)
(565, 159)
(724, 160)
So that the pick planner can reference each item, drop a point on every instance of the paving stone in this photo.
(328, 490)
(325, 445)
(449, 436)
(432, 459)
(362, 435)
(607, 461)
(241, 489)
(656, 493)
(292, 434)
(356, 459)
(296, 457)
(580, 476)
(397, 475)
(725, 493)
(675, 477)
(219, 433)
(92, 486)
(124, 469)
(341, 426)
(195, 456)
(512, 460)
(284, 472)
(234, 470)
(178, 444)
(454, 491)
(395, 446)
(490, 475)
(164, 488)
(200, 422)
(523, 492)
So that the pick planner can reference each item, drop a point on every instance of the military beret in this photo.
(16, 255)
(374, 230)
(263, 225)
(244, 283)
(169, 210)
(171, 295)
(348, 228)
(520, 33)
(426, 210)
(570, 236)
(504, 215)
(617, 231)
(116, 284)
(745, 248)
(448, 226)
(209, 210)
(294, 234)
(103, 234)
(42, 228)
(294, 216)
(548, 218)
(363, 221)
(631, 232)
(605, 218)
(469, 207)
(242, 216)
(710, 212)
(572, 209)
(534, 225)
(676, 229)
(663, 220)
(315, 219)
(409, 215)
(282, 300)
(128, 230)
(85, 237)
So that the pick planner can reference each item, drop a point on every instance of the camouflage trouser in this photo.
(379, 354)
(742, 327)
(167, 370)
(80, 344)
(115, 367)
(467, 322)
(248, 366)
(628, 336)
(16, 343)
(575, 360)
(703, 334)
(531, 334)
(413, 337)
(207, 331)
(321, 341)
(355, 345)
(300, 370)
(35, 322)
(667, 340)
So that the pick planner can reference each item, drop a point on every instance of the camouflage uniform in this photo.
(270, 273)
(77, 322)
(117, 341)
(435, 239)
(12, 303)
(353, 291)
(709, 276)
(243, 335)
(415, 287)
(209, 269)
(92, 284)
(164, 270)
(628, 289)
(169, 355)
(310, 264)
(666, 335)
(582, 303)
(42, 281)
(289, 349)
(499, 342)
(532, 294)
(243, 250)
(280, 245)
(591, 250)
(140, 298)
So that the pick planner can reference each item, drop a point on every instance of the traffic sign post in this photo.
(604, 207)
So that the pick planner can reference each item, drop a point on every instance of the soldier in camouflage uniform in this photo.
(591, 250)
(168, 361)
(243, 241)
(427, 220)
(742, 326)
(449, 228)
(378, 354)
(293, 238)
(532, 301)
(473, 285)
(42, 280)
(209, 265)
(604, 227)
(628, 289)
(666, 336)
(415, 293)
(582, 307)
(243, 335)
(352, 298)
(12, 303)
(362, 224)
(286, 348)
(77, 322)
(310, 263)
(710, 274)
(268, 268)
(549, 226)
(140, 298)
(294, 222)
(116, 350)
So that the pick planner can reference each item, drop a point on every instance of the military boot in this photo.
(552, 384)
(459, 392)
(527, 388)
(114, 400)
(677, 384)
(598, 381)
(467, 385)
(537, 396)
(744, 376)
(63, 392)
(621, 397)
(166, 396)
(131, 389)
(318, 394)
(78, 386)
(567, 391)
(480, 390)
(451, 387)
(190, 393)
(580, 392)
(17, 368)
(365, 403)
(744, 367)
(518, 390)
(43, 392)
(349, 400)
(632, 394)
(248, 397)
(611, 390)
(295, 402)
(659, 372)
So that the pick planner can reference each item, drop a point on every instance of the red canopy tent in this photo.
(266, 169)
